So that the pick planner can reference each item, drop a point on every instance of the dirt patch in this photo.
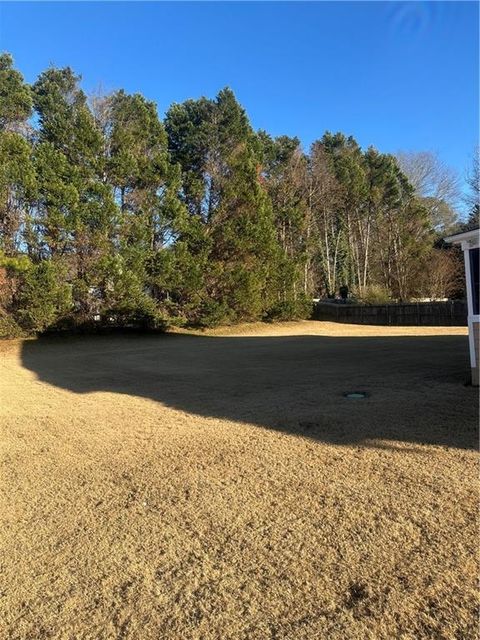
(218, 485)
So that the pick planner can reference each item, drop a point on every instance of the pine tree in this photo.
(75, 212)
(146, 188)
(219, 156)
(107, 212)
(285, 174)
(15, 96)
(17, 177)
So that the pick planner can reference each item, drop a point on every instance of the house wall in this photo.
(470, 242)
(476, 340)
(470, 252)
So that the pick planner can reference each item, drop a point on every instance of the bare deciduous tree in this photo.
(472, 199)
(436, 183)
(429, 175)
(442, 275)
(325, 209)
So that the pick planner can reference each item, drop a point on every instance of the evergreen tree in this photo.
(106, 212)
(76, 214)
(219, 157)
(146, 188)
(191, 129)
(17, 190)
(17, 177)
(350, 170)
(15, 96)
(326, 207)
(285, 174)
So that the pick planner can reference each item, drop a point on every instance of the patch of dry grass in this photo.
(219, 486)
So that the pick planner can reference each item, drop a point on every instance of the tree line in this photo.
(109, 214)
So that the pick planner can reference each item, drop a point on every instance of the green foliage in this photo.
(138, 143)
(214, 312)
(294, 309)
(16, 265)
(375, 294)
(123, 297)
(15, 95)
(17, 188)
(12, 272)
(109, 216)
(58, 200)
(231, 233)
(44, 297)
(65, 119)
(9, 328)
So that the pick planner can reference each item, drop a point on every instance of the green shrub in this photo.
(15, 266)
(43, 297)
(298, 309)
(375, 294)
(9, 328)
(213, 313)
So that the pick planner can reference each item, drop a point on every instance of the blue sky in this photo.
(398, 75)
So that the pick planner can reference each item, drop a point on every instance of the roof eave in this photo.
(464, 236)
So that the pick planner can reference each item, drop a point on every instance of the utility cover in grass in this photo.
(356, 395)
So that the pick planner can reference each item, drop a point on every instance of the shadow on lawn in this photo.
(292, 384)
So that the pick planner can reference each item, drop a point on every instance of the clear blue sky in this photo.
(398, 75)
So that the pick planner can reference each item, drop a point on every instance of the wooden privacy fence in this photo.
(429, 314)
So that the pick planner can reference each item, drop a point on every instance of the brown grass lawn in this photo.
(219, 486)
